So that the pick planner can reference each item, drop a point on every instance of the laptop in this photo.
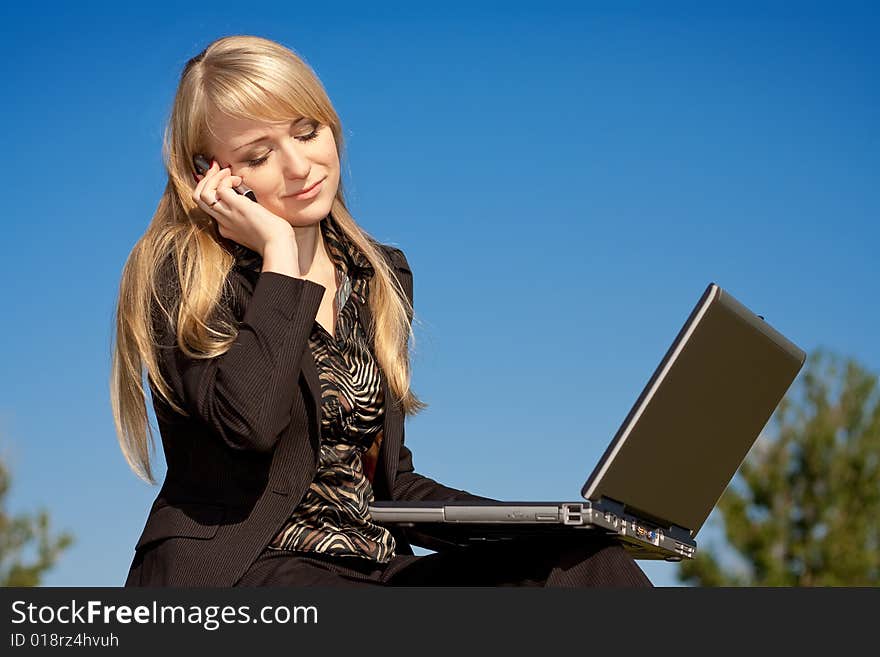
(671, 459)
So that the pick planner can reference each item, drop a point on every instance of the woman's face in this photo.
(278, 160)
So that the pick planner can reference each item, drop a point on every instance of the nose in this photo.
(295, 164)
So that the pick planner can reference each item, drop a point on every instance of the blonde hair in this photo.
(244, 77)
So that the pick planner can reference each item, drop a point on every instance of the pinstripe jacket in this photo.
(243, 458)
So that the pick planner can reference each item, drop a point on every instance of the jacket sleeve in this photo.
(245, 394)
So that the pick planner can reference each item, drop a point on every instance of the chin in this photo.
(310, 215)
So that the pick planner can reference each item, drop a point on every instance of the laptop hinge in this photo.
(679, 533)
(615, 507)
(672, 530)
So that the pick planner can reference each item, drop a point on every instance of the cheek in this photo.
(331, 164)
(329, 156)
(257, 178)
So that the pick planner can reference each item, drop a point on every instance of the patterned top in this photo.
(333, 515)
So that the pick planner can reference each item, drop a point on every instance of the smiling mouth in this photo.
(306, 190)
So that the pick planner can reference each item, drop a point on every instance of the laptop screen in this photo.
(698, 416)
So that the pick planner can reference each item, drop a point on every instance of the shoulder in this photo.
(399, 264)
(396, 258)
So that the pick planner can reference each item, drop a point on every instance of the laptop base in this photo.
(466, 523)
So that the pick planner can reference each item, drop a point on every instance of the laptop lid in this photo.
(698, 416)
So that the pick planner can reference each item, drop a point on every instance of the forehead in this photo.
(233, 131)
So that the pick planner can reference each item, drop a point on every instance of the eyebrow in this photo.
(259, 139)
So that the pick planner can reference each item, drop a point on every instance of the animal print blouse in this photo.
(333, 515)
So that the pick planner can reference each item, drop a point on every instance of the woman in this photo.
(275, 339)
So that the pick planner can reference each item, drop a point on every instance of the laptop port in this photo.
(572, 514)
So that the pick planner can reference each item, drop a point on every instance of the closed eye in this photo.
(316, 127)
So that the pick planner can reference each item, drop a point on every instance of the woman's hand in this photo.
(238, 218)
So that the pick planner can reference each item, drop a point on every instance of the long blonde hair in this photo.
(245, 77)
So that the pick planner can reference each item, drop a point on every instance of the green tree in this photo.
(804, 508)
(20, 532)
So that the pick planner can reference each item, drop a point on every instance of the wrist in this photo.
(281, 255)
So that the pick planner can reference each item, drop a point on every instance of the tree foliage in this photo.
(804, 509)
(18, 533)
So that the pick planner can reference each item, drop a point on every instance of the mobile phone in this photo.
(202, 163)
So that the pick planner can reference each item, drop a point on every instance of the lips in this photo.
(306, 190)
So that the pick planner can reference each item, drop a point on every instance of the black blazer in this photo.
(241, 462)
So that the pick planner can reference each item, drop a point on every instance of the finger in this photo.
(203, 181)
(209, 191)
(216, 209)
(223, 174)
(212, 210)
(227, 182)
(234, 183)
(200, 185)
(220, 209)
(209, 175)
(221, 181)
(209, 200)
(228, 196)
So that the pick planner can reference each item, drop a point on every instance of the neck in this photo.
(313, 258)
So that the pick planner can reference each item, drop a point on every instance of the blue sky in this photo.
(588, 168)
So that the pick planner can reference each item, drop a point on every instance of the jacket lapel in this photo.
(310, 372)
